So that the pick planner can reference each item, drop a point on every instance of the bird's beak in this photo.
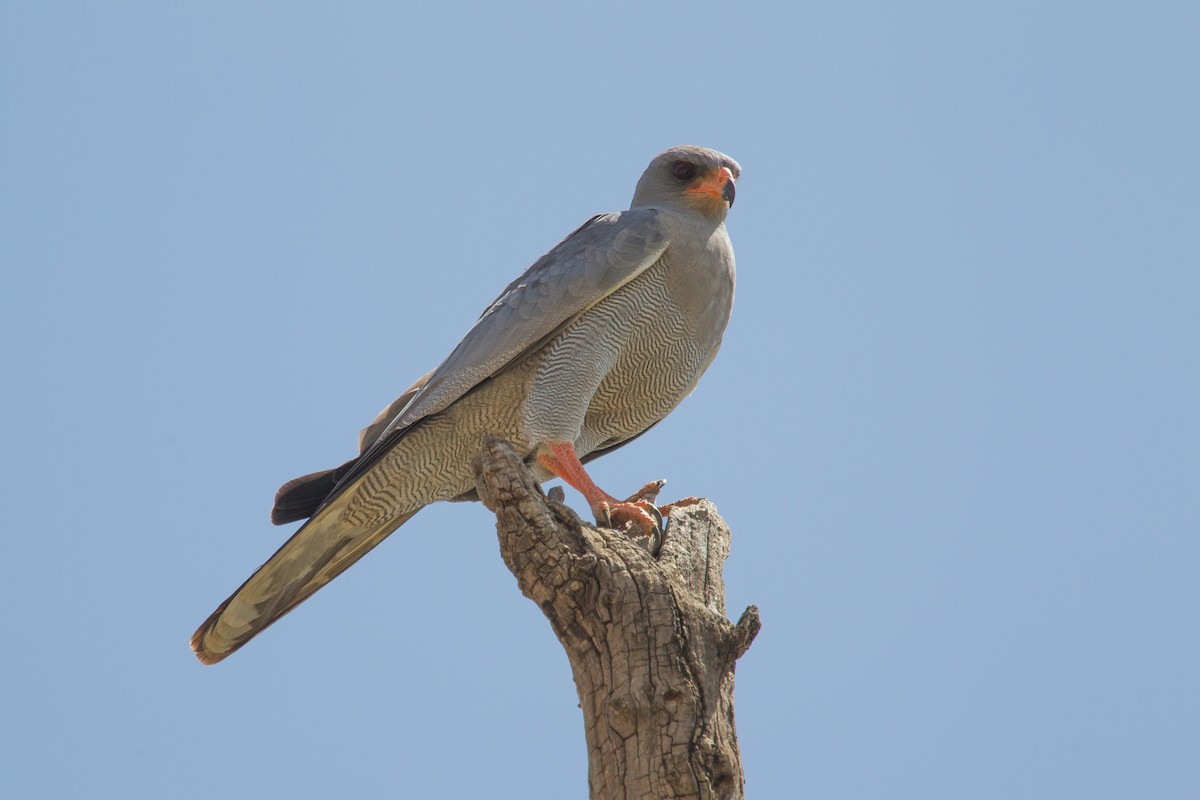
(718, 185)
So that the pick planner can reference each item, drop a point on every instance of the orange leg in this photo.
(560, 458)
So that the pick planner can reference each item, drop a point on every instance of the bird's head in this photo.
(692, 177)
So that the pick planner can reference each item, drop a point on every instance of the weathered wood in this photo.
(646, 634)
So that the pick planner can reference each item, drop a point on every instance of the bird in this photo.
(590, 347)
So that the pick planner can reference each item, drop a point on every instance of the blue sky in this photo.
(953, 427)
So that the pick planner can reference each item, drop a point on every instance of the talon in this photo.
(658, 517)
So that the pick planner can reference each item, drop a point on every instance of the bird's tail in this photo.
(323, 548)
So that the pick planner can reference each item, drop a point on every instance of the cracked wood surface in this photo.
(650, 646)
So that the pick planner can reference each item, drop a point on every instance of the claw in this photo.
(656, 512)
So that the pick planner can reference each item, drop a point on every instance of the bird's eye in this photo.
(683, 170)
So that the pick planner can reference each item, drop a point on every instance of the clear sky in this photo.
(954, 426)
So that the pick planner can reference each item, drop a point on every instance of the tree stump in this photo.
(646, 634)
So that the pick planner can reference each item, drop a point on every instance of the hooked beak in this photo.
(719, 186)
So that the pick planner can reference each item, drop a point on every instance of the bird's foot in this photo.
(639, 517)
(638, 514)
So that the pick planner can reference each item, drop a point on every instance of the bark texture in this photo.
(644, 628)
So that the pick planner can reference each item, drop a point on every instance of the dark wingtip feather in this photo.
(300, 497)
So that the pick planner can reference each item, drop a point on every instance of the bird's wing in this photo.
(597, 259)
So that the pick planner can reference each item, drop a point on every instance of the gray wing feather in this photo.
(594, 261)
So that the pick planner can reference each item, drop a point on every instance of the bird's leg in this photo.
(560, 458)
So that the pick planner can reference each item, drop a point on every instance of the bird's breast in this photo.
(626, 362)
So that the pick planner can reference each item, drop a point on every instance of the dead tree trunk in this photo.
(646, 633)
